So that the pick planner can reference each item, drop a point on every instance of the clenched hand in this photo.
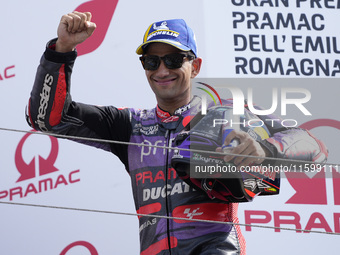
(74, 28)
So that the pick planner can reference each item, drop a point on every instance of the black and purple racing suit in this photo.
(157, 189)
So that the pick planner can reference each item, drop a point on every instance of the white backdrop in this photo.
(82, 177)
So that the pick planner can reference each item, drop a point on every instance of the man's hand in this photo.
(247, 146)
(74, 28)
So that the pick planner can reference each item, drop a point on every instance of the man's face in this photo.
(171, 86)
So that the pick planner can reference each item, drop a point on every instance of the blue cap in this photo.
(174, 32)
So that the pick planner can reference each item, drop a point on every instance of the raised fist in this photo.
(74, 28)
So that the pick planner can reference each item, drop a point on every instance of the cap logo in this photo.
(162, 30)
(174, 32)
(163, 25)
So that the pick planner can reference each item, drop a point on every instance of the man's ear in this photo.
(196, 67)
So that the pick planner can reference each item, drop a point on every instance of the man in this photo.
(170, 60)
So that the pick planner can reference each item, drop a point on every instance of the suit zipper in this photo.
(167, 135)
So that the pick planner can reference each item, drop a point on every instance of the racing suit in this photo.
(157, 189)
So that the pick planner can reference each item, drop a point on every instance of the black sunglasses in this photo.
(171, 61)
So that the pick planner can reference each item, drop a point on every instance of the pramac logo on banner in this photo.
(308, 191)
(36, 176)
(45, 166)
(84, 244)
(314, 190)
(102, 12)
(7, 72)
